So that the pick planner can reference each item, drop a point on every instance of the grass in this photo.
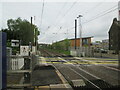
(60, 51)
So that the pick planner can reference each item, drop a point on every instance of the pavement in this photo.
(45, 75)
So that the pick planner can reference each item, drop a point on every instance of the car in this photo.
(103, 51)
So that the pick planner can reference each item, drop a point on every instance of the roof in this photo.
(115, 23)
(82, 38)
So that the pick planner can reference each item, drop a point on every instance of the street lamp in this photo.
(80, 28)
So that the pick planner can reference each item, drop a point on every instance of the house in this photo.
(114, 36)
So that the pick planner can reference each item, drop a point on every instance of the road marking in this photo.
(84, 71)
(88, 73)
(96, 62)
(111, 68)
(98, 59)
(85, 78)
(42, 60)
(58, 60)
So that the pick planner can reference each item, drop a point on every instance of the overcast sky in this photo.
(57, 22)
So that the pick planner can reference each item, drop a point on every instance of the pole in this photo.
(75, 32)
(35, 37)
(31, 26)
(80, 28)
(34, 33)
(119, 11)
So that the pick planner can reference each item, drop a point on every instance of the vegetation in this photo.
(19, 29)
(60, 47)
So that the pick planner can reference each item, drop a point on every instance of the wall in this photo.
(78, 42)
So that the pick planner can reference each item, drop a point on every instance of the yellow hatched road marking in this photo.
(81, 63)
(41, 88)
(98, 59)
(77, 62)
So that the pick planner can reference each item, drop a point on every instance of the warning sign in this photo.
(24, 50)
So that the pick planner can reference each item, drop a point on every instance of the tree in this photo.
(63, 45)
(21, 30)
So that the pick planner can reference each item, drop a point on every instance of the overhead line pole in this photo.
(80, 28)
(31, 26)
(75, 32)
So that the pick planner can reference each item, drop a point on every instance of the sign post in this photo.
(3, 64)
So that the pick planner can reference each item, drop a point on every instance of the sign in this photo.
(24, 50)
(15, 43)
(3, 64)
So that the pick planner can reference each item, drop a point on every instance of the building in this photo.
(114, 36)
(77, 50)
(97, 44)
(86, 41)
(105, 44)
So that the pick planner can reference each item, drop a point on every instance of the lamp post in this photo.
(80, 28)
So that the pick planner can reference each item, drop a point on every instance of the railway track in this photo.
(74, 72)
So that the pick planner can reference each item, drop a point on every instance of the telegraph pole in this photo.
(80, 28)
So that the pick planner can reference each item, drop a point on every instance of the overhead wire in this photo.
(95, 8)
(42, 13)
(76, 10)
(97, 16)
(100, 15)
(61, 10)
(98, 4)
(66, 14)
(58, 15)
